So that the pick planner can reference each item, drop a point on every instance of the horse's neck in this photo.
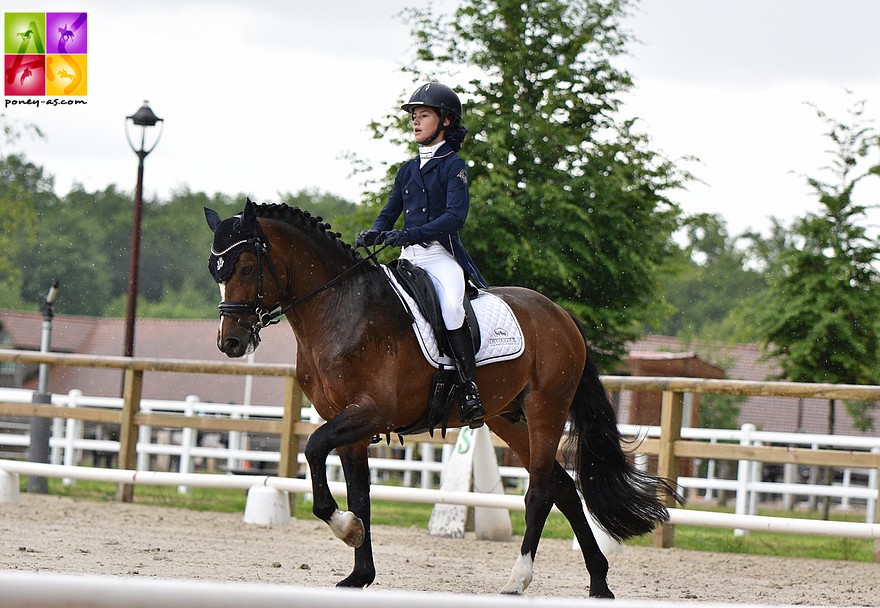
(359, 307)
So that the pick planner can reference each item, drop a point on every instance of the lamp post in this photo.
(145, 119)
(40, 427)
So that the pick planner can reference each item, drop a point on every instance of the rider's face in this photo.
(425, 121)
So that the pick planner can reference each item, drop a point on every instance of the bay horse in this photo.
(359, 363)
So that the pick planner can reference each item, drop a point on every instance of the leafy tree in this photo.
(819, 317)
(566, 198)
(711, 285)
(24, 188)
(21, 183)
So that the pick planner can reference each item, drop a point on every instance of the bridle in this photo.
(270, 315)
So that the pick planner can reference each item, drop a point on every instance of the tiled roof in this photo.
(154, 338)
(746, 362)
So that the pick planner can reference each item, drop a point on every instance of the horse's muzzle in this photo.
(232, 346)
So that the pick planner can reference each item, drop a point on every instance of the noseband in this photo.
(255, 308)
(266, 316)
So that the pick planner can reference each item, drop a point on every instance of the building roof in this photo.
(747, 362)
(154, 338)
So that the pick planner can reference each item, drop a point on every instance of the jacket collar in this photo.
(444, 151)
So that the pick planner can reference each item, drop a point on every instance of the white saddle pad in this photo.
(501, 337)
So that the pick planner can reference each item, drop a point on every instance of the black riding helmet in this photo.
(441, 98)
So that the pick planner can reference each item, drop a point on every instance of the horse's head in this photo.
(240, 256)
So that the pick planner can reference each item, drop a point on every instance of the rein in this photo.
(270, 316)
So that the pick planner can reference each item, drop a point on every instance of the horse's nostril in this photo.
(230, 345)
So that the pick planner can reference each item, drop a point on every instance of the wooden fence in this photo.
(669, 447)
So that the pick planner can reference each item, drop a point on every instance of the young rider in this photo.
(431, 191)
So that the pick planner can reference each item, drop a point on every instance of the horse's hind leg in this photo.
(539, 498)
(566, 498)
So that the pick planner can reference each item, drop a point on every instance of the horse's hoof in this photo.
(348, 527)
(602, 593)
(357, 580)
(520, 578)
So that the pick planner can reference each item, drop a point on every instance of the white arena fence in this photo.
(416, 495)
(27, 590)
(418, 463)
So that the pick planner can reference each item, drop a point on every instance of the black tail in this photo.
(625, 501)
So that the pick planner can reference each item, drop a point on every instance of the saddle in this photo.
(417, 283)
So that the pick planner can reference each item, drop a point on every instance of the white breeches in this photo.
(447, 276)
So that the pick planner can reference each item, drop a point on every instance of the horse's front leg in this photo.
(346, 428)
(355, 465)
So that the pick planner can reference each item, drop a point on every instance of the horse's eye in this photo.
(247, 270)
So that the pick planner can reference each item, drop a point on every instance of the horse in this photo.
(64, 34)
(360, 365)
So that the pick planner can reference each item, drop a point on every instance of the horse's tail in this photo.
(625, 501)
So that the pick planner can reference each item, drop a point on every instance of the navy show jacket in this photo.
(434, 201)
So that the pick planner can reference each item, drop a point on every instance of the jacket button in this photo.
(424, 209)
(406, 191)
(407, 211)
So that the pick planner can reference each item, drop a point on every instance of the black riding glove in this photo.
(368, 238)
(396, 238)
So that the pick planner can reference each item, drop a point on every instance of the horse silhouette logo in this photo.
(65, 34)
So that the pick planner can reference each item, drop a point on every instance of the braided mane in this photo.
(303, 220)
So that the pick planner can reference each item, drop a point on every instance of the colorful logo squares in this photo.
(45, 54)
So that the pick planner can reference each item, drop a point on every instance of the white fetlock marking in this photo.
(520, 577)
(348, 527)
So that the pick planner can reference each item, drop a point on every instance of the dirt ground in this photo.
(60, 535)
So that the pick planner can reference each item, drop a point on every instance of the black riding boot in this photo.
(463, 353)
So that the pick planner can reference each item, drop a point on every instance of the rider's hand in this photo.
(396, 238)
(368, 238)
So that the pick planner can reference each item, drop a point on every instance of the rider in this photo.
(431, 191)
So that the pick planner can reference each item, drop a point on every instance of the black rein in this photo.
(270, 316)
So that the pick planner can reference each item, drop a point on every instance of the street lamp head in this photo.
(145, 117)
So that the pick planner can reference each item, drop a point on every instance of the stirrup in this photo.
(475, 413)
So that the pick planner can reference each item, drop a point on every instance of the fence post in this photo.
(72, 435)
(670, 432)
(427, 451)
(145, 436)
(742, 477)
(128, 428)
(874, 482)
(709, 494)
(288, 464)
(187, 440)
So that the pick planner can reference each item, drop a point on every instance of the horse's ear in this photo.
(249, 217)
(213, 219)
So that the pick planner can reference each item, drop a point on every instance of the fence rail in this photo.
(669, 446)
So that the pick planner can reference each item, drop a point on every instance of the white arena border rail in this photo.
(28, 590)
(426, 496)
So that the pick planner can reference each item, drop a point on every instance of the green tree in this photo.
(566, 198)
(21, 184)
(24, 188)
(711, 284)
(819, 317)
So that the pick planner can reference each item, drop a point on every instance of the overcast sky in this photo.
(267, 96)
